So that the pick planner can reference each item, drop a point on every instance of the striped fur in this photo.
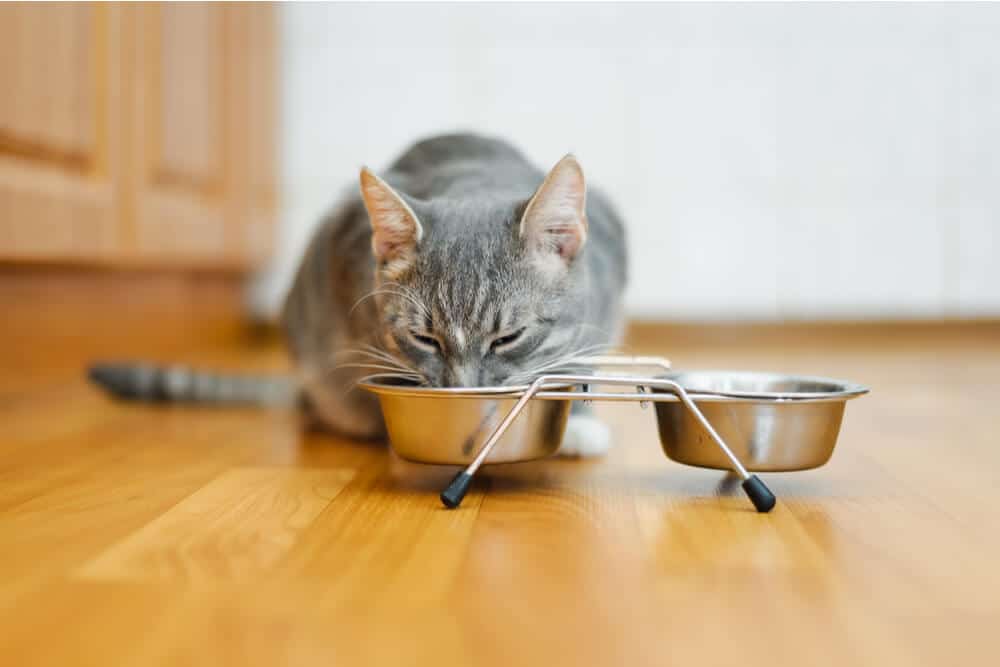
(150, 383)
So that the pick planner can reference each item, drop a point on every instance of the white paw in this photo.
(586, 435)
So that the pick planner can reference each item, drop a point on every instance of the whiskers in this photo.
(562, 363)
(394, 289)
(369, 357)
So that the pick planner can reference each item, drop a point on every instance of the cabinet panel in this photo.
(58, 91)
(186, 93)
(137, 133)
(258, 118)
(179, 108)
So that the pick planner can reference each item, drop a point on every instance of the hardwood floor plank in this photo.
(386, 538)
(237, 526)
(158, 535)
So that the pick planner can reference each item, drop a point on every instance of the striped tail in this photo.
(179, 384)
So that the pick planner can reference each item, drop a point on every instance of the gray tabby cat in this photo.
(463, 265)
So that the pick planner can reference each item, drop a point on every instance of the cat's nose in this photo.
(462, 375)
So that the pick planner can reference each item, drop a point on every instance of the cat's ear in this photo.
(395, 228)
(554, 224)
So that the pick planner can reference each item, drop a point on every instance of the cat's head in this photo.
(484, 292)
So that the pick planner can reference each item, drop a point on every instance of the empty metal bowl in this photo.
(771, 422)
(450, 425)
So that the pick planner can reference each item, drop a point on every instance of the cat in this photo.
(461, 265)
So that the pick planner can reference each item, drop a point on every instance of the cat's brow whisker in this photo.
(382, 291)
(408, 293)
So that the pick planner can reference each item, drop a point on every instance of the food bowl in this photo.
(450, 425)
(771, 422)
(737, 421)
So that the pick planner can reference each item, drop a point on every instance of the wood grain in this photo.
(138, 134)
(144, 535)
(236, 526)
(57, 321)
(59, 151)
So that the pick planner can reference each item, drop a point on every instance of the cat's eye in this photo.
(426, 341)
(502, 342)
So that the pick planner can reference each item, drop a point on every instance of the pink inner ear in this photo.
(395, 230)
(555, 221)
(382, 247)
(567, 241)
(388, 248)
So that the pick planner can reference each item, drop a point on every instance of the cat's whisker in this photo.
(564, 362)
(371, 349)
(564, 355)
(362, 359)
(382, 291)
(343, 356)
(367, 351)
(374, 366)
(581, 351)
(409, 293)
(406, 377)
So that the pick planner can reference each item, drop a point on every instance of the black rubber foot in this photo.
(452, 496)
(760, 495)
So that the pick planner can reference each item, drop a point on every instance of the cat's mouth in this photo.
(400, 382)
(392, 385)
(408, 383)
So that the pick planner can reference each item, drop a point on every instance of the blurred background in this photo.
(774, 162)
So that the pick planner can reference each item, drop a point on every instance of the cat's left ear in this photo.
(395, 228)
(554, 224)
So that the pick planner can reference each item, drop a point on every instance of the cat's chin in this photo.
(586, 436)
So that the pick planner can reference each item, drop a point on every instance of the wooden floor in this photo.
(137, 535)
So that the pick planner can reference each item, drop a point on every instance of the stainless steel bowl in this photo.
(450, 425)
(770, 422)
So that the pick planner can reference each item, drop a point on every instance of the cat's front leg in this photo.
(334, 407)
(585, 435)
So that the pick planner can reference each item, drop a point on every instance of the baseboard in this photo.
(643, 332)
(59, 317)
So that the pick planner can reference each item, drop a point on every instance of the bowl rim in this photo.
(845, 389)
(501, 391)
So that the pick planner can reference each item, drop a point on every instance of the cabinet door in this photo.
(203, 148)
(259, 54)
(182, 177)
(58, 131)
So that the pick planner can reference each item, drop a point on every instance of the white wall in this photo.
(772, 161)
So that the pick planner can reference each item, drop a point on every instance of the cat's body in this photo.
(463, 266)
(469, 193)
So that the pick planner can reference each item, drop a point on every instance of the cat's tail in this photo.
(145, 382)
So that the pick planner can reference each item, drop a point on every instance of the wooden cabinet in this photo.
(137, 134)
(59, 151)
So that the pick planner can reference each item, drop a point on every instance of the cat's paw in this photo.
(585, 436)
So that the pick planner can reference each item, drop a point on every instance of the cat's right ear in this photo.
(395, 228)
(554, 223)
